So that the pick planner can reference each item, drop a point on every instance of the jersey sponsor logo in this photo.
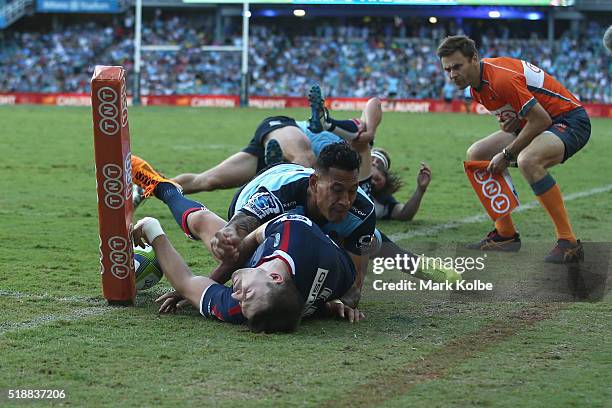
(504, 113)
(263, 204)
(358, 211)
(295, 217)
(277, 239)
(290, 204)
(364, 243)
(534, 76)
(507, 115)
(533, 67)
(317, 292)
(561, 127)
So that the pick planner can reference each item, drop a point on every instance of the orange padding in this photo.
(495, 191)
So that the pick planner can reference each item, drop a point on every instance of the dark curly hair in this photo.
(338, 155)
(393, 182)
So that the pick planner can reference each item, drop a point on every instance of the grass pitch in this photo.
(414, 349)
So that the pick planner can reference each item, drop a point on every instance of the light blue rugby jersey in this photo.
(283, 188)
(318, 140)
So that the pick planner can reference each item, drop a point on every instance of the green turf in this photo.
(413, 349)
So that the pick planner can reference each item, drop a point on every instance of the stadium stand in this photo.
(351, 61)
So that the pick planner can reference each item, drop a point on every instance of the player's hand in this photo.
(498, 164)
(225, 245)
(171, 302)
(351, 297)
(339, 309)
(510, 125)
(138, 236)
(364, 135)
(424, 177)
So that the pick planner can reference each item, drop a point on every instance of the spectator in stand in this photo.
(386, 57)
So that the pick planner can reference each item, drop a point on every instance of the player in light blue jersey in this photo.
(281, 138)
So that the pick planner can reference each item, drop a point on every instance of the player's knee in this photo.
(306, 159)
(527, 163)
(375, 102)
(476, 152)
(205, 182)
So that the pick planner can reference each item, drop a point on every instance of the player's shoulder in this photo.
(363, 207)
(297, 220)
(282, 174)
(502, 67)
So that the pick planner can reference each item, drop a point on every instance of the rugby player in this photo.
(385, 183)
(328, 194)
(281, 138)
(287, 269)
(542, 125)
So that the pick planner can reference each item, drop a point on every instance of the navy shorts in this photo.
(256, 145)
(574, 129)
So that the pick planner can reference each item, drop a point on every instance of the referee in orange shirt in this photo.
(542, 124)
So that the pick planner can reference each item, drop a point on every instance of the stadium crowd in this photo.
(351, 61)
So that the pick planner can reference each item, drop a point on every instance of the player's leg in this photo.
(545, 151)
(486, 148)
(505, 236)
(365, 152)
(293, 146)
(320, 119)
(234, 171)
(191, 216)
(371, 116)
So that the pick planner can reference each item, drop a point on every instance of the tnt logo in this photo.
(120, 256)
(113, 186)
(492, 190)
(109, 113)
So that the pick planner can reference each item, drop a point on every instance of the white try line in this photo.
(96, 307)
(483, 217)
(78, 314)
(45, 296)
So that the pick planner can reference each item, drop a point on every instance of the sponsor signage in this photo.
(78, 6)
(595, 110)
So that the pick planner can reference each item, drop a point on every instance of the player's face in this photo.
(461, 70)
(378, 179)
(335, 192)
(251, 287)
(377, 162)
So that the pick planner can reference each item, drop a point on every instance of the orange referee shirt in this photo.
(510, 87)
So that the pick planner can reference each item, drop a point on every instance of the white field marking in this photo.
(97, 307)
(45, 296)
(484, 217)
(78, 314)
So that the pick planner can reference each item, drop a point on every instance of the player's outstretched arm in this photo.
(407, 211)
(175, 269)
